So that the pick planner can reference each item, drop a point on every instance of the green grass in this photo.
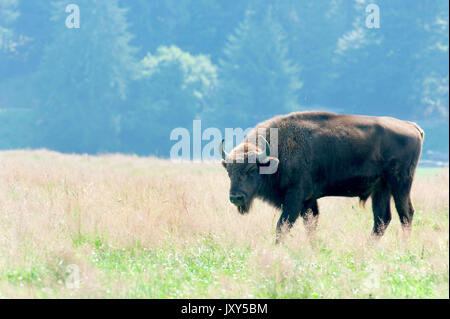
(427, 172)
(131, 236)
(168, 272)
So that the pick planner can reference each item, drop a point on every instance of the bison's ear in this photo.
(224, 164)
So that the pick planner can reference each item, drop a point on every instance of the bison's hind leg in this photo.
(400, 183)
(404, 206)
(381, 206)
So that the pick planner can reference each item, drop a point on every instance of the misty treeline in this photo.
(135, 70)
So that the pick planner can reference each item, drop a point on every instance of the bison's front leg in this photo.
(292, 207)
(310, 216)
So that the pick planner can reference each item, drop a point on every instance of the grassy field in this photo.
(132, 227)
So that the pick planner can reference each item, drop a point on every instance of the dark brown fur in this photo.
(326, 154)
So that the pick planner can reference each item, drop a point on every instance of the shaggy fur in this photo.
(326, 154)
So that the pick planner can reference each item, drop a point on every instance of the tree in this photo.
(386, 71)
(195, 26)
(434, 86)
(313, 29)
(84, 77)
(256, 79)
(170, 93)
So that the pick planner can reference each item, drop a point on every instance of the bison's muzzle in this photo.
(237, 199)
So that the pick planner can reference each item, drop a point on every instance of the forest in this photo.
(135, 70)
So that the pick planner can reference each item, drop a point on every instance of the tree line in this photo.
(136, 70)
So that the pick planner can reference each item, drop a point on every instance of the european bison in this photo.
(326, 154)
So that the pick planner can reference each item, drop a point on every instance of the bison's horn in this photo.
(266, 152)
(222, 151)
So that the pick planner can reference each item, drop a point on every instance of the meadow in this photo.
(116, 226)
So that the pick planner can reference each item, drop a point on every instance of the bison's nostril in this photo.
(236, 198)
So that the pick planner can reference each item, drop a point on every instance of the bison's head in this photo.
(243, 165)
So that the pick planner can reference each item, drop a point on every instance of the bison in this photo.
(326, 154)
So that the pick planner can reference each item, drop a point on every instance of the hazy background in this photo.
(137, 69)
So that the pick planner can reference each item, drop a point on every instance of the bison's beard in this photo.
(245, 207)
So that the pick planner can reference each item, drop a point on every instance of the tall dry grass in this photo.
(48, 201)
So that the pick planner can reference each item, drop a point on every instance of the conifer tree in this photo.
(84, 76)
(256, 79)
